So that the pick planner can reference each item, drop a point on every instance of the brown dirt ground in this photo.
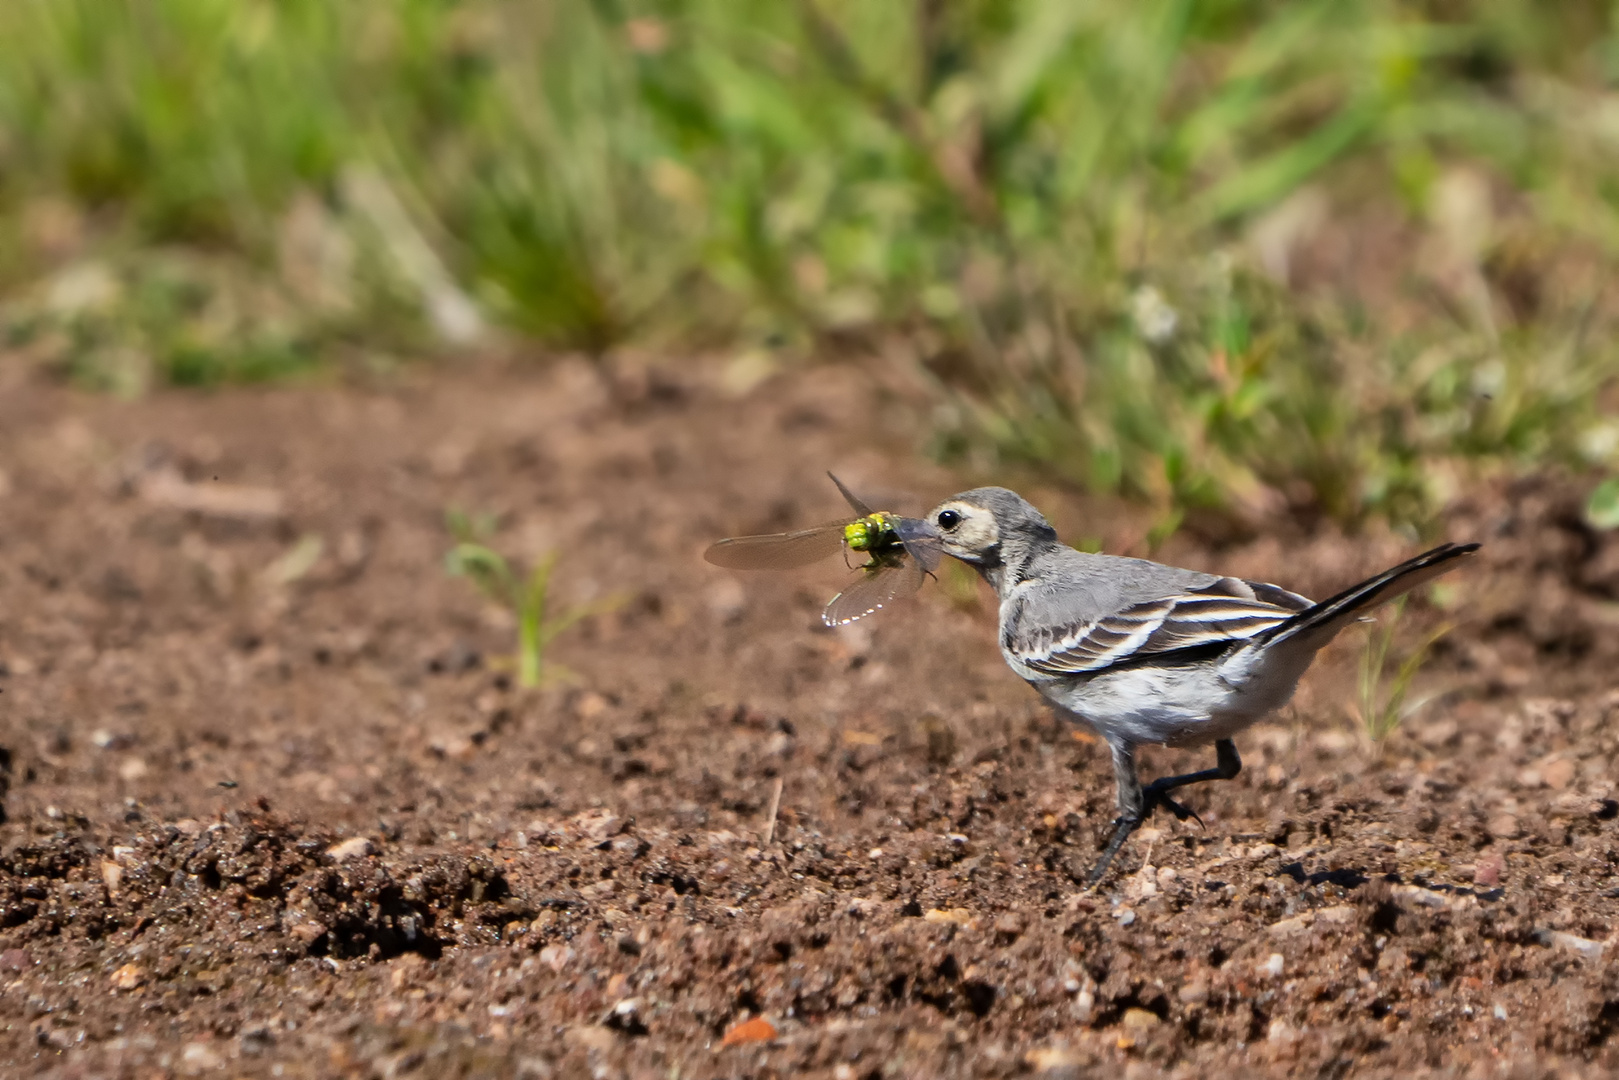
(276, 810)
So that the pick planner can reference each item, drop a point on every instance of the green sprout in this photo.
(1602, 508)
(525, 596)
(1382, 709)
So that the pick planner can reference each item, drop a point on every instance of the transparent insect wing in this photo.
(777, 551)
(877, 587)
(921, 540)
(859, 507)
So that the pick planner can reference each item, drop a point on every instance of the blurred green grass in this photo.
(1326, 257)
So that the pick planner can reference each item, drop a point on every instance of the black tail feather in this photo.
(1317, 624)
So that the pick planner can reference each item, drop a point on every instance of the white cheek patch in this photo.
(978, 531)
(982, 533)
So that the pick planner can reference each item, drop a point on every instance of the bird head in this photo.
(990, 527)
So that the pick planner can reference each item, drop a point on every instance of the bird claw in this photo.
(1181, 812)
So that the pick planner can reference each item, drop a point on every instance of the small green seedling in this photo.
(1602, 509)
(1382, 709)
(527, 597)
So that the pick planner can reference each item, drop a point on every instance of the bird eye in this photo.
(949, 519)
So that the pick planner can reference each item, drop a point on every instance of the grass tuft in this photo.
(1382, 693)
(526, 596)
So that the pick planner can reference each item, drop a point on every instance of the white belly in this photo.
(1181, 707)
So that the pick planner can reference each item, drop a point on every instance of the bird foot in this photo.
(1155, 796)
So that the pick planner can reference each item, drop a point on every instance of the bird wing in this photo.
(1227, 609)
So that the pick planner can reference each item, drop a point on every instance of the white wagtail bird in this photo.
(1147, 653)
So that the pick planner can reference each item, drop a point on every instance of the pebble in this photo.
(1137, 1021)
(1273, 965)
(749, 1031)
(1296, 925)
(1504, 827)
(128, 977)
(308, 932)
(1009, 924)
(111, 740)
(1058, 1059)
(599, 825)
(355, 847)
(959, 916)
(1573, 943)
(16, 960)
(1195, 992)
(1558, 774)
(557, 957)
(1488, 870)
(200, 1057)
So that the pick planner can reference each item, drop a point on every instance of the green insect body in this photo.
(870, 533)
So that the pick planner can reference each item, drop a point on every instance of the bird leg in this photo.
(1136, 803)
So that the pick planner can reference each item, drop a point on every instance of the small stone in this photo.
(1261, 851)
(557, 957)
(749, 1031)
(200, 1057)
(958, 916)
(308, 932)
(1558, 774)
(1273, 965)
(406, 969)
(1438, 733)
(599, 825)
(1339, 914)
(1126, 916)
(1573, 943)
(589, 705)
(1279, 1032)
(1296, 925)
(1138, 1021)
(128, 977)
(355, 847)
(132, 769)
(1195, 992)
(1009, 925)
(16, 960)
(112, 875)
(1504, 827)
(1488, 870)
(1058, 1059)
